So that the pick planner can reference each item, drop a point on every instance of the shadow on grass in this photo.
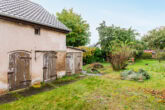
(17, 95)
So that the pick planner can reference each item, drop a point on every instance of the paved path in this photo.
(91, 74)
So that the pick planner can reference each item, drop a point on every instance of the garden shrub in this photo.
(146, 55)
(88, 55)
(99, 55)
(160, 55)
(136, 76)
(120, 55)
(138, 54)
(93, 54)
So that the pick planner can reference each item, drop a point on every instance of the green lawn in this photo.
(107, 92)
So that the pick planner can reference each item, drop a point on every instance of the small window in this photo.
(37, 31)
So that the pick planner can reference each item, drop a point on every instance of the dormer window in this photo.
(37, 31)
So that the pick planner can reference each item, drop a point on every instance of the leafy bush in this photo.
(88, 55)
(146, 55)
(93, 54)
(121, 52)
(99, 55)
(137, 76)
(160, 55)
(138, 54)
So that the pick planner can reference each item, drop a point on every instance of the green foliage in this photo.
(88, 55)
(155, 38)
(92, 54)
(137, 76)
(139, 47)
(138, 54)
(108, 34)
(99, 55)
(146, 55)
(120, 54)
(160, 55)
(79, 35)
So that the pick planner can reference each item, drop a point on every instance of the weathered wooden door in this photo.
(78, 62)
(70, 64)
(19, 70)
(49, 68)
(73, 63)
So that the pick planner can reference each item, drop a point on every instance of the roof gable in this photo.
(30, 12)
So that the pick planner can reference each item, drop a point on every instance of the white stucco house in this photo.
(32, 45)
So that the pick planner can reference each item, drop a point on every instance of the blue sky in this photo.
(141, 15)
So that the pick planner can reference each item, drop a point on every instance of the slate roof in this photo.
(29, 11)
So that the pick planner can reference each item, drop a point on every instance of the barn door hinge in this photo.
(11, 72)
(45, 67)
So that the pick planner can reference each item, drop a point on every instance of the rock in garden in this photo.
(97, 65)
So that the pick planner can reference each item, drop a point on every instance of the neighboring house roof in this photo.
(74, 48)
(149, 51)
(29, 11)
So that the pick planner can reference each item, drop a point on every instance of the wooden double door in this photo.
(73, 63)
(19, 70)
(49, 69)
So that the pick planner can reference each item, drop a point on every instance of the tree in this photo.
(108, 34)
(79, 35)
(155, 38)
